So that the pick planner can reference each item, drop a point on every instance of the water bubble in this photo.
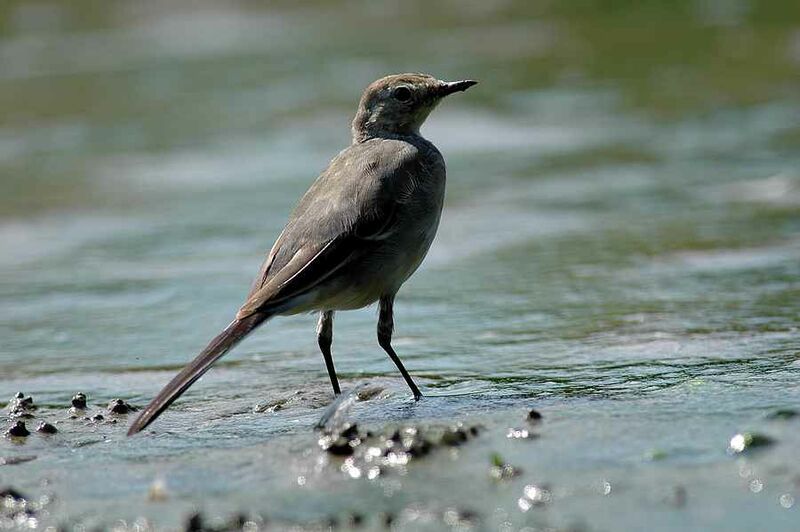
(748, 440)
(786, 500)
(519, 434)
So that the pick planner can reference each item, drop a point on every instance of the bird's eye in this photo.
(402, 94)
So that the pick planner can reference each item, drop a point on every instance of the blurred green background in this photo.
(83, 82)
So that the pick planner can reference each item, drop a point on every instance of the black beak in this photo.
(449, 87)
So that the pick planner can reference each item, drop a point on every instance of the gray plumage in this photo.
(355, 236)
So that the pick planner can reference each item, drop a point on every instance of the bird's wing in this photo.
(354, 202)
(311, 265)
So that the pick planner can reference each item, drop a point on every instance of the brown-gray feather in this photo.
(352, 203)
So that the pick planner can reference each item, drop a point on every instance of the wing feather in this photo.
(353, 204)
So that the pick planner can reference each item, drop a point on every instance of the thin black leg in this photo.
(385, 329)
(325, 339)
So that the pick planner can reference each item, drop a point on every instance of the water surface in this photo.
(620, 249)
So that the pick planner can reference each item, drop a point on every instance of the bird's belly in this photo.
(378, 273)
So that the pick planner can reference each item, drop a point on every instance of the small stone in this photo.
(534, 416)
(369, 393)
(18, 430)
(46, 428)
(354, 520)
(194, 523)
(11, 493)
(340, 447)
(350, 431)
(454, 437)
(387, 519)
(97, 417)
(118, 406)
(20, 404)
(79, 401)
(420, 448)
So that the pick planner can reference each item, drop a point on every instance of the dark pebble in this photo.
(11, 492)
(79, 401)
(20, 404)
(350, 431)
(18, 430)
(388, 519)
(355, 520)
(420, 448)
(97, 417)
(194, 523)
(534, 416)
(453, 438)
(340, 447)
(46, 428)
(118, 406)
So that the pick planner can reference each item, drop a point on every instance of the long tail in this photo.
(224, 342)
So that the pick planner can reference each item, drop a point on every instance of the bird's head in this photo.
(399, 104)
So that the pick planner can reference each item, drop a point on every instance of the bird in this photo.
(356, 235)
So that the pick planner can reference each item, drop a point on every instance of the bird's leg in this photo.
(325, 339)
(385, 329)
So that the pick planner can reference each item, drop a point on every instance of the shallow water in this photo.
(620, 250)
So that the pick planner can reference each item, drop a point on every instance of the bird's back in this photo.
(381, 200)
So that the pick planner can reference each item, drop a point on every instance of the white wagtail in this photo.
(356, 235)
